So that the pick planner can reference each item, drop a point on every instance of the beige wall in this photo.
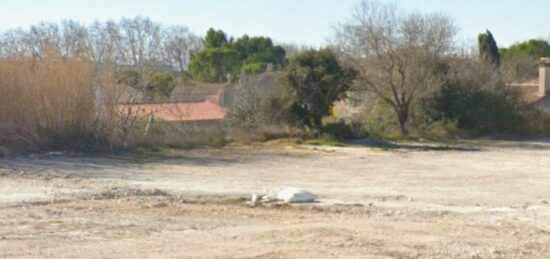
(544, 77)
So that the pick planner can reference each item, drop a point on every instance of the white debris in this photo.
(295, 195)
(256, 199)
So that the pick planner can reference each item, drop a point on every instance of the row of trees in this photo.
(403, 66)
(137, 43)
(408, 63)
(520, 61)
(148, 56)
(517, 62)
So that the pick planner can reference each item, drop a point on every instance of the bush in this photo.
(478, 111)
(343, 131)
(253, 103)
(160, 85)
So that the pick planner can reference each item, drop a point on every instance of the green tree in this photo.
(519, 61)
(533, 48)
(129, 77)
(488, 50)
(313, 81)
(215, 65)
(257, 52)
(160, 85)
(215, 39)
(222, 57)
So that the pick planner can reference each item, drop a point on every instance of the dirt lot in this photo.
(473, 201)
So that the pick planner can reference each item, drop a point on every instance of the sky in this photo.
(301, 22)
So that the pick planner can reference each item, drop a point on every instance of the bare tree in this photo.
(519, 67)
(178, 46)
(137, 43)
(106, 43)
(74, 39)
(44, 36)
(142, 41)
(250, 104)
(14, 43)
(398, 54)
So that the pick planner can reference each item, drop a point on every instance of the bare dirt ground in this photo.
(487, 200)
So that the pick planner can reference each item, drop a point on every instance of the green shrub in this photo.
(341, 130)
(313, 81)
(477, 111)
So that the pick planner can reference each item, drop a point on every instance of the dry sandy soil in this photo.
(487, 200)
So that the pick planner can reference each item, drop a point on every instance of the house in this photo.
(198, 92)
(537, 91)
(197, 112)
(223, 94)
(195, 102)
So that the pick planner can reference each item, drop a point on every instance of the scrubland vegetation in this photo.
(402, 72)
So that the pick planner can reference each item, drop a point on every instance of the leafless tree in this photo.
(137, 43)
(44, 36)
(178, 46)
(398, 54)
(250, 104)
(519, 68)
(106, 43)
(14, 43)
(294, 49)
(142, 41)
(74, 39)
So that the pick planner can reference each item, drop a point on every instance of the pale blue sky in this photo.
(294, 21)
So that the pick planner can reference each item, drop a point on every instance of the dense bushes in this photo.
(476, 110)
(254, 102)
(520, 61)
(344, 131)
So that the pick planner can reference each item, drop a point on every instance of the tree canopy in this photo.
(400, 56)
(488, 50)
(533, 48)
(519, 61)
(313, 81)
(225, 59)
(215, 39)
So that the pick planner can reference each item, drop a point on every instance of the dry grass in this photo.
(47, 101)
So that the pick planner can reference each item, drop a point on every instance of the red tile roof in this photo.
(175, 111)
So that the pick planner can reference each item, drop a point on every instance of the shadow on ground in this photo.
(388, 145)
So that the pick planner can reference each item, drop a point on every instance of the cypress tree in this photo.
(488, 49)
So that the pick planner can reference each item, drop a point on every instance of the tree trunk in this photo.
(403, 117)
(317, 124)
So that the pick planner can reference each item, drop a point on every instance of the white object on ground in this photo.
(256, 199)
(295, 195)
